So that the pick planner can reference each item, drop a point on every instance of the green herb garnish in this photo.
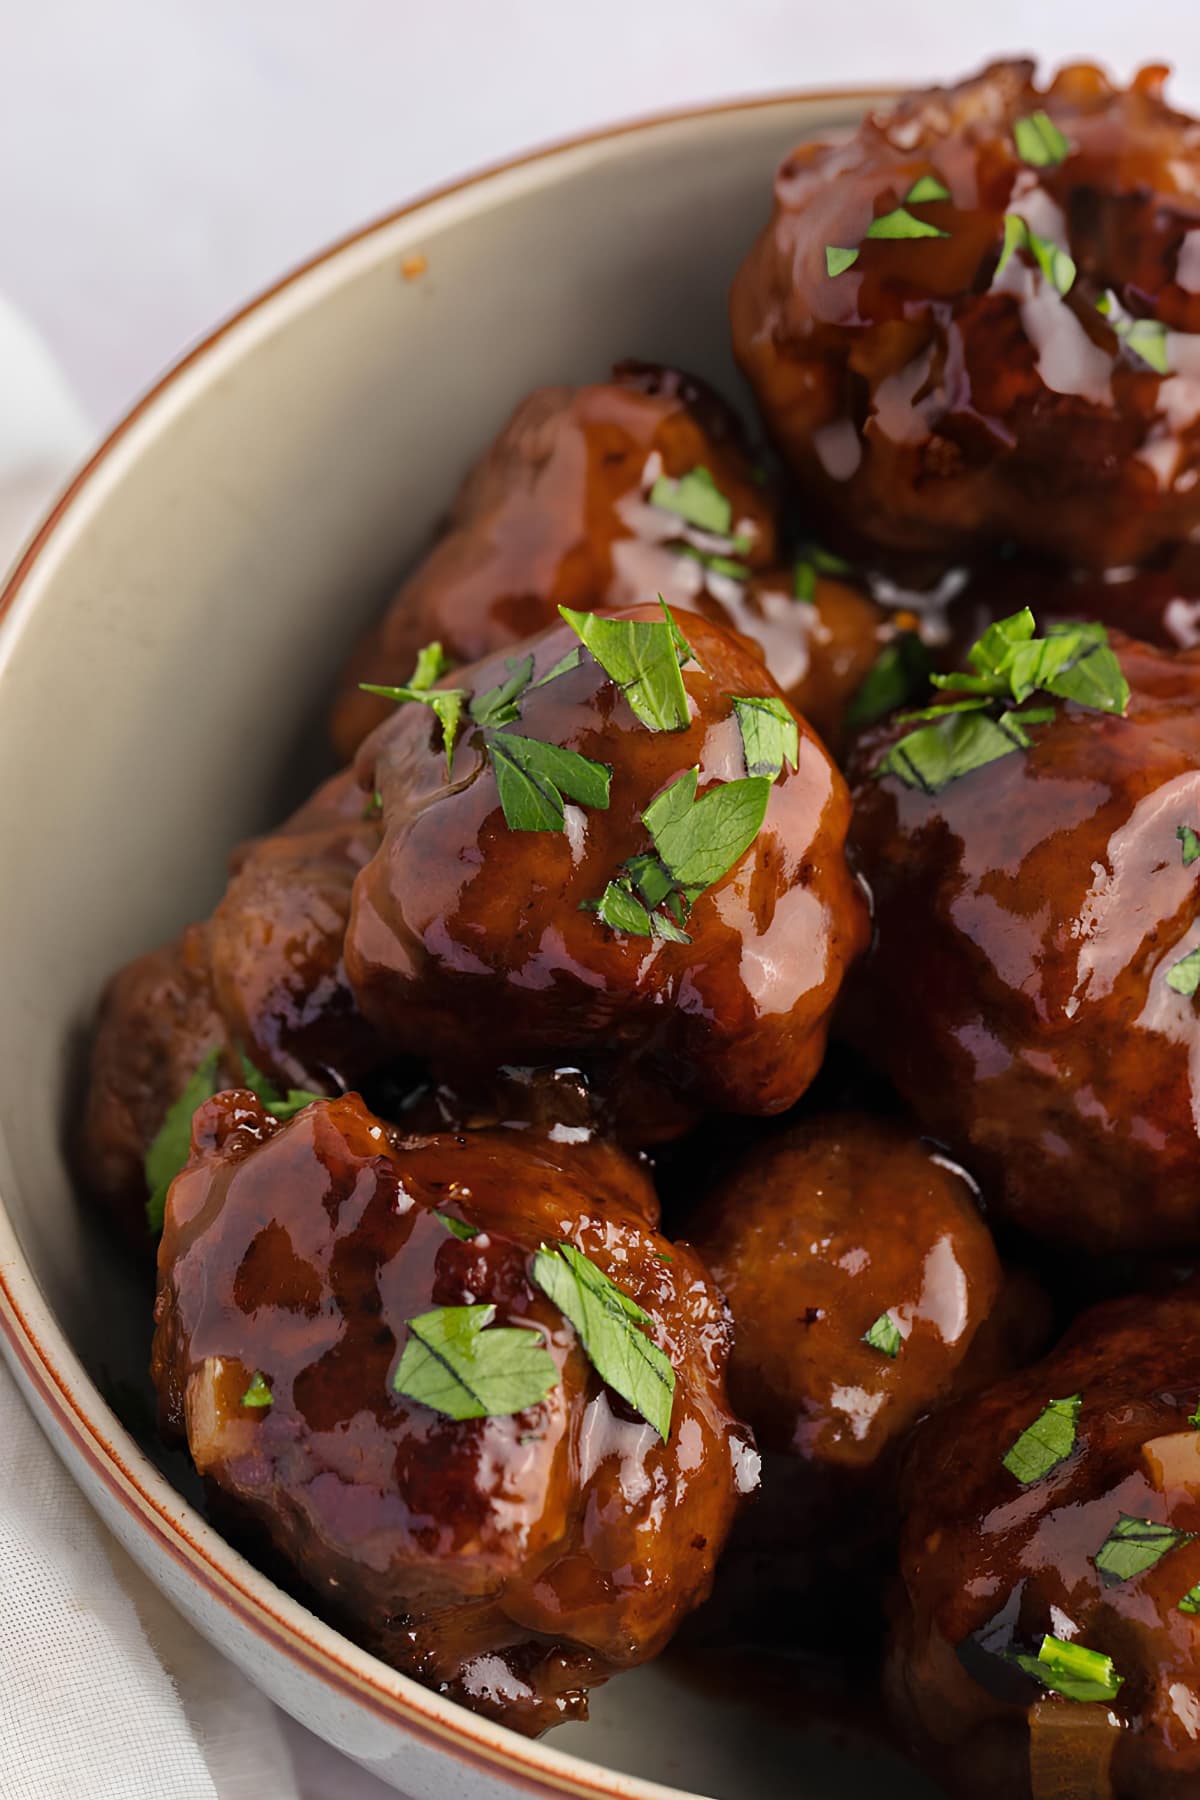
(838, 259)
(770, 735)
(532, 779)
(172, 1143)
(1194, 1418)
(698, 841)
(1191, 1600)
(1039, 141)
(374, 807)
(1135, 1545)
(884, 1335)
(563, 666)
(811, 562)
(1147, 338)
(258, 1393)
(900, 223)
(899, 674)
(697, 500)
(501, 705)
(718, 565)
(1072, 1671)
(1190, 844)
(924, 188)
(446, 703)
(1008, 665)
(610, 1326)
(1045, 1443)
(457, 1227)
(1056, 264)
(1184, 976)
(453, 1363)
(643, 657)
(279, 1105)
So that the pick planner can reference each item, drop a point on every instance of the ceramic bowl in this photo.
(168, 643)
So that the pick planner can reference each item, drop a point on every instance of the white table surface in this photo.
(162, 159)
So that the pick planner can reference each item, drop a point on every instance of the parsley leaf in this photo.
(642, 656)
(696, 498)
(1147, 338)
(698, 841)
(1135, 1545)
(610, 1325)
(500, 705)
(1039, 141)
(1072, 1671)
(900, 223)
(811, 562)
(452, 1363)
(1184, 976)
(936, 754)
(374, 807)
(445, 703)
(899, 673)
(457, 1227)
(1056, 264)
(884, 1335)
(838, 259)
(719, 565)
(1191, 1600)
(532, 777)
(172, 1143)
(563, 666)
(280, 1106)
(1045, 1443)
(258, 1393)
(770, 735)
(925, 188)
(1189, 844)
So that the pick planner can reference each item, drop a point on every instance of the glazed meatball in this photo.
(1029, 991)
(473, 943)
(560, 510)
(941, 391)
(513, 1559)
(860, 1274)
(1050, 1524)
(263, 976)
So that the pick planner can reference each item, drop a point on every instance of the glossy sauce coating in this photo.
(468, 942)
(813, 1238)
(1027, 917)
(511, 1561)
(989, 1566)
(934, 404)
(263, 974)
(557, 513)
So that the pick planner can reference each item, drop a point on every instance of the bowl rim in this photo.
(30, 1334)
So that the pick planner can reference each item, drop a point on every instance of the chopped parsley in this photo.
(172, 1143)
(899, 223)
(1191, 1600)
(460, 1364)
(838, 259)
(1072, 1671)
(258, 1393)
(1184, 976)
(445, 703)
(1009, 664)
(1056, 264)
(770, 735)
(696, 499)
(812, 562)
(1189, 844)
(532, 779)
(642, 656)
(925, 188)
(1039, 141)
(502, 704)
(884, 1335)
(1046, 1443)
(457, 1227)
(1147, 338)
(374, 807)
(717, 565)
(1135, 1545)
(610, 1327)
(280, 1106)
(899, 674)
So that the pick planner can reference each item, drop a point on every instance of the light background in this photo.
(160, 160)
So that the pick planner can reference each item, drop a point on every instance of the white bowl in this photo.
(169, 641)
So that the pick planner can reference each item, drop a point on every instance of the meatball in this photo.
(966, 323)
(1050, 1565)
(510, 1558)
(263, 976)
(1030, 988)
(568, 938)
(562, 510)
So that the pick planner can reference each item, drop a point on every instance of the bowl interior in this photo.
(168, 652)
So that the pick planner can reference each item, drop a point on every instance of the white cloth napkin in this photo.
(105, 1692)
